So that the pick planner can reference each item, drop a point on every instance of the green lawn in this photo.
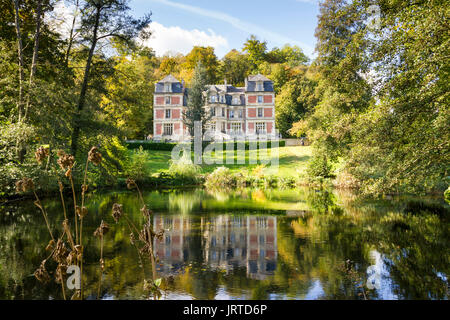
(292, 161)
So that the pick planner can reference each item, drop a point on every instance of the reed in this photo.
(68, 248)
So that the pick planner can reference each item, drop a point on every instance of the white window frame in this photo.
(167, 87)
(168, 100)
(236, 127)
(259, 86)
(260, 99)
(260, 127)
(213, 98)
(240, 113)
(231, 114)
(168, 113)
(260, 115)
(168, 129)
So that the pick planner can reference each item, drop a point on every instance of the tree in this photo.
(235, 67)
(195, 110)
(256, 51)
(208, 59)
(103, 19)
(129, 94)
(291, 55)
(295, 99)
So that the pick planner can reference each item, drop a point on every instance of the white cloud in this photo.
(249, 28)
(175, 39)
(61, 19)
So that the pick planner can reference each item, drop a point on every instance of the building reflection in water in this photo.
(222, 242)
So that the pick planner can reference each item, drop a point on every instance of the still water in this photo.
(247, 244)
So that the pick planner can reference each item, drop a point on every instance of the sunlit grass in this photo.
(292, 160)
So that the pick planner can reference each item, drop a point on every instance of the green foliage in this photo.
(319, 167)
(137, 168)
(447, 195)
(185, 169)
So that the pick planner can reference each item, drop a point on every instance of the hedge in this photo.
(166, 146)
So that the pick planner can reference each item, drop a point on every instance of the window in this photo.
(223, 127)
(223, 112)
(260, 112)
(213, 98)
(213, 127)
(236, 100)
(260, 127)
(168, 129)
(167, 100)
(259, 86)
(231, 113)
(260, 99)
(168, 113)
(236, 127)
(240, 113)
(222, 99)
(213, 112)
(167, 87)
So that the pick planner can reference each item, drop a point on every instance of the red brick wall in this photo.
(251, 126)
(269, 127)
(229, 126)
(159, 114)
(267, 99)
(175, 100)
(252, 112)
(176, 113)
(158, 128)
(267, 112)
(251, 99)
(176, 128)
(159, 100)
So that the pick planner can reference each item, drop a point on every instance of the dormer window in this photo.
(259, 86)
(167, 87)
(222, 99)
(213, 98)
(236, 100)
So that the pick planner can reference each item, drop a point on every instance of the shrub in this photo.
(185, 169)
(138, 168)
(319, 167)
(221, 176)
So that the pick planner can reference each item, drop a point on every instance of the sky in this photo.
(178, 25)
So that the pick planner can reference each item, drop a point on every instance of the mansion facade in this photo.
(236, 112)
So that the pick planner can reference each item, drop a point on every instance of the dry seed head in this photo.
(66, 161)
(95, 156)
(41, 273)
(41, 153)
(60, 272)
(117, 211)
(51, 245)
(102, 229)
(24, 185)
(131, 184)
(81, 212)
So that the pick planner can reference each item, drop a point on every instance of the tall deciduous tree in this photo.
(103, 19)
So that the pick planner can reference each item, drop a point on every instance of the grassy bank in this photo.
(291, 164)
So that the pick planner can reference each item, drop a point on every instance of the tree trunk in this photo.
(37, 35)
(20, 56)
(69, 47)
(82, 97)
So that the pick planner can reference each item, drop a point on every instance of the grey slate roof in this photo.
(258, 77)
(169, 78)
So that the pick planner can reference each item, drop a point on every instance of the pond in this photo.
(242, 244)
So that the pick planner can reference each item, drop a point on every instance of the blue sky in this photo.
(178, 25)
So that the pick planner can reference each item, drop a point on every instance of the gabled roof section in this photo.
(169, 78)
(258, 77)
